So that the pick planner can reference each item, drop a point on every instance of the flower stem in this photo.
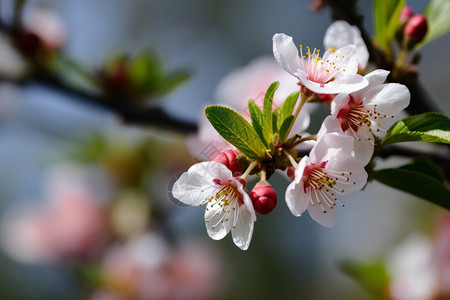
(263, 174)
(291, 159)
(303, 100)
(249, 169)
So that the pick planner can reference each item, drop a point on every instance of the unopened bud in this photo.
(229, 160)
(415, 30)
(405, 15)
(263, 197)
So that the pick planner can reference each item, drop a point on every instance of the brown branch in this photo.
(130, 113)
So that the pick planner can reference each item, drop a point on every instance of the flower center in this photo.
(225, 201)
(317, 69)
(359, 115)
(322, 185)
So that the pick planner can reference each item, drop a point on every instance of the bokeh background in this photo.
(289, 257)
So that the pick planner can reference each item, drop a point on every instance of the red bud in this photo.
(415, 30)
(229, 160)
(405, 14)
(263, 197)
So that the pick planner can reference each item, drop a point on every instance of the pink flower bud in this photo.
(405, 14)
(229, 160)
(263, 197)
(415, 29)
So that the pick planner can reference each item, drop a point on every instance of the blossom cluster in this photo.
(337, 155)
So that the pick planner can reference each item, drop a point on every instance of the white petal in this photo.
(296, 199)
(242, 234)
(286, 53)
(216, 225)
(344, 83)
(340, 34)
(363, 147)
(348, 83)
(331, 147)
(247, 201)
(327, 219)
(345, 58)
(330, 124)
(358, 177)
(196, 185)
(390, 98)
(377, 77)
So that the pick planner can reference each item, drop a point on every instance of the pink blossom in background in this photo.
(146, 267)
(47, 26)
(420, 266)
(234, 91)
(70, 225)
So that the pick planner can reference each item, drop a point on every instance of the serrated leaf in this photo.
(417, 178)
(372, 276)
(267, 111)
(386, 15)
(285, 128)
(257, 119)
(437, 13)
(236, 130)
(428, 127)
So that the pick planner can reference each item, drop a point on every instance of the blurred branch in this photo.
(420, 100)
(130, 113)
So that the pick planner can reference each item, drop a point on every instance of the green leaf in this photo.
(170, 82)
(267, 111)
(280, 114)
(257, 119)
(372, 276)
(386, 15)
(425, 166)
(289, 105)
(236, 130)
(428, 127)
(420, 178)
(437, 13)
(285, 127)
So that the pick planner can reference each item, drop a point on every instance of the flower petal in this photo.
(357, 177)
(327, 219)
(296, 199)
(345, 59)
(247, 201)
(390, 98)
(340, 34)
(286, 53)
(242, 233)
(196, 185)
(377, 77)
(332, 146)
(216, 225)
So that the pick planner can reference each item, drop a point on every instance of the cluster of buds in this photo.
(412, 28)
